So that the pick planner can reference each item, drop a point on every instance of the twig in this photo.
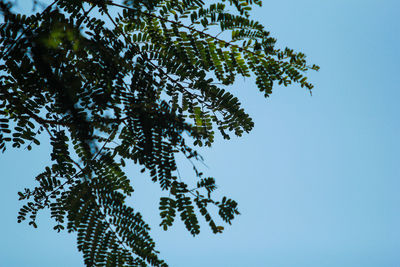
(191, 29)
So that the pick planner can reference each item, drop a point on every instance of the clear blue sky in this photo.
(317, 180)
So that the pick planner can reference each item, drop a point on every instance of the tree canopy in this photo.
(113, 83)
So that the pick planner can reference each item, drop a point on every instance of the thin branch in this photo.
(162, 72)
(192, 29)
(81, 169)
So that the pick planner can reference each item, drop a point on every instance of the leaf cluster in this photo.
(130, 83)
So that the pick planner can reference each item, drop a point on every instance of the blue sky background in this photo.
(317, 180)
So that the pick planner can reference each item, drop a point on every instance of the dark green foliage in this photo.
(133, 82)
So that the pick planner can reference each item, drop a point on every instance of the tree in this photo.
(115, 83)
